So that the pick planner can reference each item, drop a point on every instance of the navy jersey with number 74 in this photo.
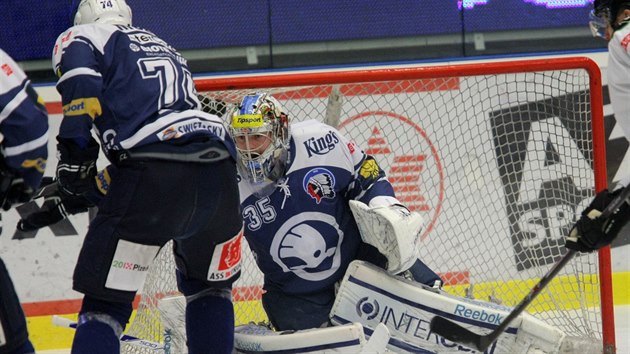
(131, 86)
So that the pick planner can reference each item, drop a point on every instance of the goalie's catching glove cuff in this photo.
(591, 232)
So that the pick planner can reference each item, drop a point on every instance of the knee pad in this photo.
(102, 318)
(114, 314)
(223, 293)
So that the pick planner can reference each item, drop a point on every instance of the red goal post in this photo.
(500, 158)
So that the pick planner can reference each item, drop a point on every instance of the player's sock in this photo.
(95, 337)
(210, 325)
(100, 325)
(26, 348)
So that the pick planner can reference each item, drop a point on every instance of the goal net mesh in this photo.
(499, 164)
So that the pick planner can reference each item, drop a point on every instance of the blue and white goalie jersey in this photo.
(130, 85)
(304, 221)
(23, 124)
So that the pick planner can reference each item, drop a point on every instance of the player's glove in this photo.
(15, 191)
(57, 206)
(591, 232)
(77, 167)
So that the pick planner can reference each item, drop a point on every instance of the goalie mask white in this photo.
(260, 129)
(115, 12)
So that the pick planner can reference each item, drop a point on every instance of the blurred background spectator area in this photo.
(222, 35)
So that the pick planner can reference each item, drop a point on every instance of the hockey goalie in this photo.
(338, 250)
(377, 312)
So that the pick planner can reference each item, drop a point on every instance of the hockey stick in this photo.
(459, 334)
(64, 322)
(333, 107)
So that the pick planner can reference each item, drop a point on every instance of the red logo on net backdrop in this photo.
(408, 157)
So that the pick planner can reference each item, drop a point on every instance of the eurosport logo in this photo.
(537, 167)
(407, 155)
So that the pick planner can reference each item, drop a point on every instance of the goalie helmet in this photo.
(604, 16)
(260, 129)
(115, 12)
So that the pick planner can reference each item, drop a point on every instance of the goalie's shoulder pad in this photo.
(392, 229)
(93, 35)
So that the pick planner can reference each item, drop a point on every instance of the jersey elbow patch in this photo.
(39, 164)
(370, 170)
(81, 106)
(103, 180)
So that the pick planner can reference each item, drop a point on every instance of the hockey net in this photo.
(500, 159)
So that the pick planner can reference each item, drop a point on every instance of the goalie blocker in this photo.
(392, 229)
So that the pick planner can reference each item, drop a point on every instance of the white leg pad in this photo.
(342, 339)
(173, 315)
(348, 338)
(370, 296)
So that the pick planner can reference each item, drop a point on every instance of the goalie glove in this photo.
(591, 232)
(392, 229)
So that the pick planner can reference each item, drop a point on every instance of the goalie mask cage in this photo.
(499, 158)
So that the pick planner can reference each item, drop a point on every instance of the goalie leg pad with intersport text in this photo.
(347, 339)
(370, 296)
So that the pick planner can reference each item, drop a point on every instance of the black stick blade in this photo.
(458, 334)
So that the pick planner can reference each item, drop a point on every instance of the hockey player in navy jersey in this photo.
(23, 154)
(308, 214)
(173, 176)
(303, 213)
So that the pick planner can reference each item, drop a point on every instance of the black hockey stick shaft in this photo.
(459, 334)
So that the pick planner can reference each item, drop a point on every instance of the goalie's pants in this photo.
(311, 310)
(12, 321)
(150, 202)
(303, 311)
